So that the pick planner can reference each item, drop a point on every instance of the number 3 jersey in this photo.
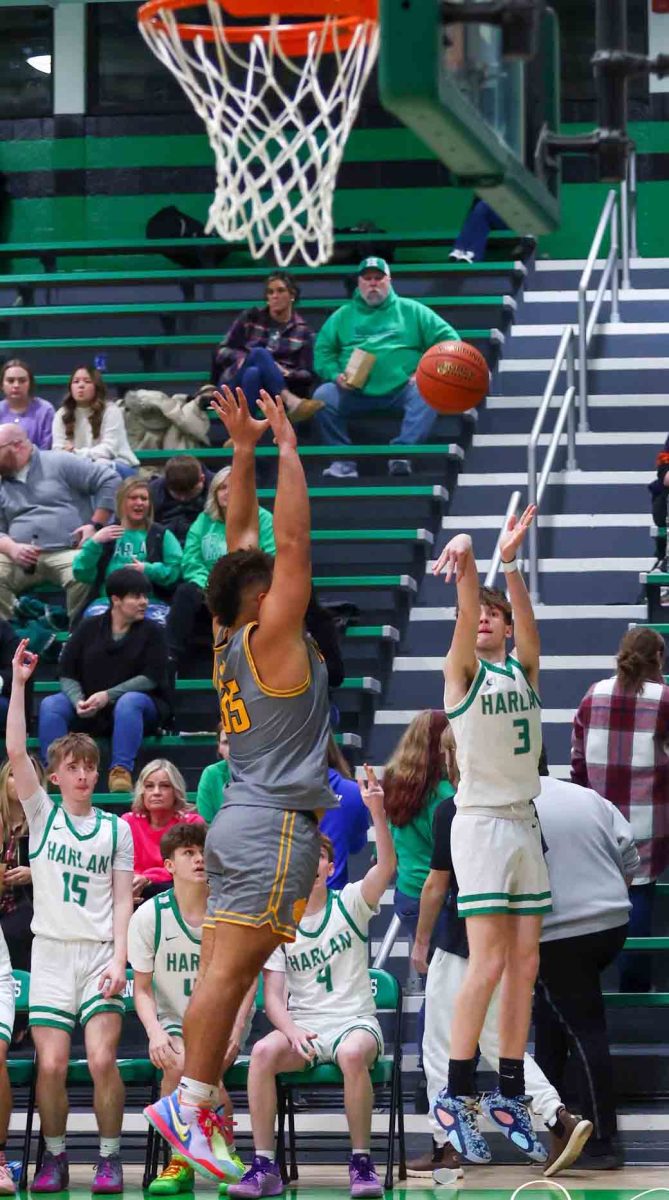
(326, 967)
(160, 943)
(278, 740)
(72, 859)
(497, 729)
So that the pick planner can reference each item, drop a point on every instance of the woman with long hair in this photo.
(21, 406)
(89, 424)
(418, 776)
(206, 542)
(159, 802)
(347, 825)
(620, 749)
(137, 541)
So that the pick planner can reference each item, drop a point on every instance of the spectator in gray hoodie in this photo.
(591, 859)
(50, 503)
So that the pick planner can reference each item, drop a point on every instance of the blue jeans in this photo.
(476, 226)
(407, 909)
(134, 714)
(636, 968)
(342, 403)
(259, 370)
(155, 611)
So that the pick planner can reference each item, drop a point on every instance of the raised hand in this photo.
(233, 411)
(453, 558)
(284, 434)
(515, 532)
(108, 533)
(23, 662)
(371, 788)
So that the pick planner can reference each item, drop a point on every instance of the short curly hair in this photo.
(232, 575)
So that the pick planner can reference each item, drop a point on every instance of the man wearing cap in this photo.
(395, 331)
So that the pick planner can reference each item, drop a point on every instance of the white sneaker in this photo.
(462, 256)
(343, 468)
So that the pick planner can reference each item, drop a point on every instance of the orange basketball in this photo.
(452, 377)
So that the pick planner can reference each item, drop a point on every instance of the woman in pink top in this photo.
(159, 803)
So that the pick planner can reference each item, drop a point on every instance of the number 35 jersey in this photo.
(326, 967)
(72, 859)
(497, 729)
(278, 740)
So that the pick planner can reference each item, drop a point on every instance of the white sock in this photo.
(109, 1146)
(265, 1154)
(196, 1094)
(55, 1145)
(365, 1151)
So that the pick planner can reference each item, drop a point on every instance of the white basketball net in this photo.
(277, 132)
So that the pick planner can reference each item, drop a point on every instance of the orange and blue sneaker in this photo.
(458, 1117)
(514, 1119)
(196, 1134)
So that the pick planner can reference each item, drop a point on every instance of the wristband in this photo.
(509, 567)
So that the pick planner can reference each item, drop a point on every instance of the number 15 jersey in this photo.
(497, 729)
(72, 859)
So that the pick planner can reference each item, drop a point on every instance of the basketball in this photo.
(452, 377)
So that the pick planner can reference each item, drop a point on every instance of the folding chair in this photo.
(22, 1071)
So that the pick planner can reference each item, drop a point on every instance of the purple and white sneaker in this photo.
(53, 1175)
(263, 1178)
(363, 1177)
(108, 1177)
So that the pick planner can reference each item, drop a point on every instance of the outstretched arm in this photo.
(241, 518)
(457, 559)
(379, 876)
(25, 775)
(528, 647)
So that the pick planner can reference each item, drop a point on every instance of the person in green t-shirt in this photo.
(418, 776)
(137, 541)
(214, 780)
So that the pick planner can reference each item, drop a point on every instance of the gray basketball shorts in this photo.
(261, 865)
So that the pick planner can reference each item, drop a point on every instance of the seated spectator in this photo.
(128, 657)
(397, 330)
(659, 490)
(89, 424)
(205, 544)
(470, 244)
(16, 898)
(214, 780)
(321, 1005)
(134, 541)
(50, 503)
(21, 406)
(347, 825)
(179, 495)
(159, 803)
(620, 749)
(271, 348)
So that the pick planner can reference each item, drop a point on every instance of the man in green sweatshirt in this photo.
(397, 330)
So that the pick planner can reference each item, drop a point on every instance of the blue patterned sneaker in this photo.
(196, 1134)
(514, 1119)
(457, 1116)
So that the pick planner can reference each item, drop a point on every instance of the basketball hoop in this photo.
(276, 126)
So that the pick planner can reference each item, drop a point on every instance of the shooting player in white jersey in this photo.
(491, 701)
(82, 864)
(164, 942)
(330, 1015)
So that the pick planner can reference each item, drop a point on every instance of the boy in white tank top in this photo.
(330, 1014)
(491, 700)
(164, 949)
(82, 867)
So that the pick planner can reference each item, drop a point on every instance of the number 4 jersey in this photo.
(497, 728)
(160, 943)
(72, 859)
(326, 966)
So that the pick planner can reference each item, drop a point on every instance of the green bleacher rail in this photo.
(188, 275)
(189, 307)
(423, 449)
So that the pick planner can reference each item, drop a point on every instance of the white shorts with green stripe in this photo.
(499, 863)
(330, 1034)
(7, 1004)
(64, 983)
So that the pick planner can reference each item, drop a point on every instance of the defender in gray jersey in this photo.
(261, 853)
(491, 700)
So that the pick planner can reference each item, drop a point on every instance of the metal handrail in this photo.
(511, 510)
(586, 324)
(537, 486)
(628, 218)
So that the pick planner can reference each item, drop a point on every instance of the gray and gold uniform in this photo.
(496, 838)
(262, 849)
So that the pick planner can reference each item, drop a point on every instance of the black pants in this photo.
(570, 1020)
(186, 606)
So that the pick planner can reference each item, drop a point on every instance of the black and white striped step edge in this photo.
(607, 329)
(514, 479)
(548, 612)
(598, 400)
(573, 566)
(655, 439)
(509, 366)
(553, 521)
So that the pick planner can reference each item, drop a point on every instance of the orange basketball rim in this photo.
(292, 38)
